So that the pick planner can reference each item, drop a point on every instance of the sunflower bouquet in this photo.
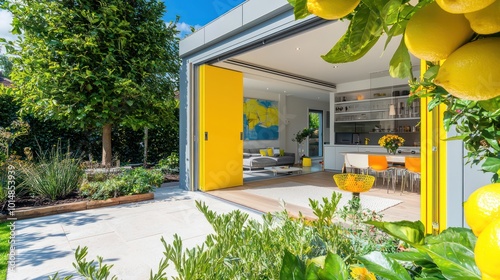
(391, 142)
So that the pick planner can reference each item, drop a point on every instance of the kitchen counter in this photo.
(334, 154)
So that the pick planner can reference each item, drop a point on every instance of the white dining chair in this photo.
(357, 162)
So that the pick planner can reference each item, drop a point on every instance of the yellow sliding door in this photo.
(221, 128)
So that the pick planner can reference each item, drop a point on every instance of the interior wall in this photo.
(293, 117)
(298, 118)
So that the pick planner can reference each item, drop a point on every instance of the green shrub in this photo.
(170, 164)
(140, 180)
(54, 176)
(103, 189)
(134, 181)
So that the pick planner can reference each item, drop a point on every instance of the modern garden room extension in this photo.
(258, 50)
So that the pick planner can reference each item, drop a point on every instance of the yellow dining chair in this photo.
(379, 164)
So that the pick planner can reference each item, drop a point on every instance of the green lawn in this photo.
(4, 249)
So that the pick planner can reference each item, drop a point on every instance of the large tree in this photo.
(94, 64)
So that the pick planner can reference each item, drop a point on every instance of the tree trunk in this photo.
(106, 145)
(145, 163)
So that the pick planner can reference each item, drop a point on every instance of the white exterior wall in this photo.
(250, 23)
(462, 180)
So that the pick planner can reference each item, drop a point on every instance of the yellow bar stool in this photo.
(355, 183)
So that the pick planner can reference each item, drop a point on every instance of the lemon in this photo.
(331, 9)
(482, 207)
(487, 251)
(471, 72)
(433, 34)
(487, 20)
(463, 6)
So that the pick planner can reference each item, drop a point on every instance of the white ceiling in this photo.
(300, 55)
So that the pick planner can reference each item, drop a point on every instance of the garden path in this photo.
(127, 236)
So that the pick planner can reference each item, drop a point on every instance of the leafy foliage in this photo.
(163, 138)
(275, 247)
(94, 64)
(135, 181)
(448, 255)
(303, 134)
(8, 134)
(368, 22)
(55, 175)
(5, 65)
(170, 164)
(477, 123)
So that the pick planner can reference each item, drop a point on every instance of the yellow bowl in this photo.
(356, 183)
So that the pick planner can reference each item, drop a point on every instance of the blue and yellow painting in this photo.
(260, 119)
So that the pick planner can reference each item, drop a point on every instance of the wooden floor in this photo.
(409, 209)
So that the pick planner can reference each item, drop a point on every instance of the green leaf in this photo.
(292, 267)
(299, 8)
(384, 266)
(335, 268)
(491, 164)
(491, 105)
(454, 260)
(400, 65)
(431, 72)
(410, 256)
(363, 33)
(411, 232)
(457, 137)
(462, 236)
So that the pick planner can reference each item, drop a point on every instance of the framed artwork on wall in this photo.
(260, 119)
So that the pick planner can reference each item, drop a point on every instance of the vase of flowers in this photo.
(391, 142)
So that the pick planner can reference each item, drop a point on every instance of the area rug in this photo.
(298, 194)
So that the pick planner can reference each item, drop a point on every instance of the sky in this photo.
(196, 13)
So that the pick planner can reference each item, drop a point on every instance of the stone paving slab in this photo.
(127, 236)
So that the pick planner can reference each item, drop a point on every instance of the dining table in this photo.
(397, 161)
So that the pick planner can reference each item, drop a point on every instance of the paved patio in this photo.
(127, 236)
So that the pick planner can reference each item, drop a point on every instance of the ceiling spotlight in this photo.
(284, 91)
(335, 66)
(297, 49)
(267, 88)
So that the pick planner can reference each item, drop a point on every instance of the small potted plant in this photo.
(300, 137)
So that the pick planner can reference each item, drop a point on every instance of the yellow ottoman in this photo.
(306, 161)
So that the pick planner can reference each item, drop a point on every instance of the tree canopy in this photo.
(94, 64)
